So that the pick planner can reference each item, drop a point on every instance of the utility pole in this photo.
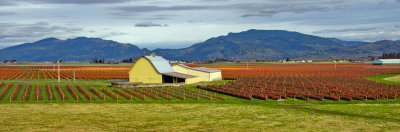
(247, 65)
(58, 63)
(335, 64)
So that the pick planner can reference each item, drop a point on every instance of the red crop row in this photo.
(167, 93)
(138, 95)
(60, 92)
(49, 93)
(13, 95)
(37, 92)
(97, 93)
(184, 93)
(227, 91)
(114, 96)
(4, 91)
(156, 92)
(149, 94)
(87, 95)
(66, 72)
(304, 81)
(127, 96)
(26, 93)
(72, 92)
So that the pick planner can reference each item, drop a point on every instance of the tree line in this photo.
(393, 55)
(102, 61)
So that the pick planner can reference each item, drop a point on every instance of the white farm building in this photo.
(386, 61)
(205, 74)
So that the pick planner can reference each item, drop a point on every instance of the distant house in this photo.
(155, 69)
(386, 61)
(205, 74)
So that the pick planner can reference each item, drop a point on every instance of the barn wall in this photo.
(204, 76)
(144, 71)
(192, 80)
(216, 76)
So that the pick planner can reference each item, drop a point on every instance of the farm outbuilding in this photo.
(155, 69)
(205, 74)
(386, 61)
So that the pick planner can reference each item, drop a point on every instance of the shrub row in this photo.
(49, 93)
(4, 91)
(127, 96)
(26, 93)
(60, 92)
(138, 95)
(97, 93)
(14, 94)
(72, 91)
(87, 95)
(37, 92)
(149, 94)
(114, 96)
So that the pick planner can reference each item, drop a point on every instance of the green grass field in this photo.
(199, 117)
(232, 114)
(383, 78)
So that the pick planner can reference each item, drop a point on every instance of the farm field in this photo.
(199, 117)
(261, 97)
(306, 81)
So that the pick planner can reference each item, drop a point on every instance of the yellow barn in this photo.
(155, 69)
(205, 74)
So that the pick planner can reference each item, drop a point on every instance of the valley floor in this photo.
(199, 117)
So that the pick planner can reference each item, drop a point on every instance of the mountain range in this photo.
(247, 45)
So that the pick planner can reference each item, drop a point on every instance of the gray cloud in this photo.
(159, 8)
(7, 13)
(12, 32)
(160, 17)
(346, 30)
(261, 13)
(262, 10)
(7, 3)
(132, 15)
(79, 1)
(110, 34)
(149, 24)
(252, 9)
(15, 2)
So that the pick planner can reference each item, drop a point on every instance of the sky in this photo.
(181, 23)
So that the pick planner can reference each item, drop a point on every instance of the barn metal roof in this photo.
(204, 69)
(161, 64)
(179, 75)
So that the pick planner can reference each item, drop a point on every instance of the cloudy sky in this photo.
(179, 23)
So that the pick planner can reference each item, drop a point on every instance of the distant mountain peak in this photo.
(81, 37)
(258, 31)
(385, 41)
(75, 49)
(51, 39)
(271, 44)
(86, 39)
(247, 45)
(347, 43)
